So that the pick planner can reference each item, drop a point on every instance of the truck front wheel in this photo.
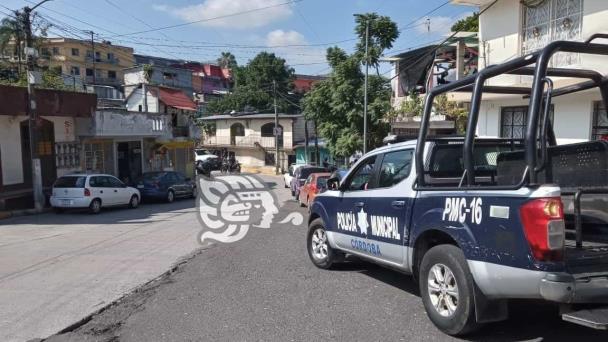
(446, 288)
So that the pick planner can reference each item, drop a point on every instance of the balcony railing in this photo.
(113, 61)
(102, 80)
(116, 122)
(246, 141)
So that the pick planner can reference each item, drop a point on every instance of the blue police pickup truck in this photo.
(480, 221)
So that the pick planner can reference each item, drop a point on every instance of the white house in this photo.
(250, 137)
(512, 28)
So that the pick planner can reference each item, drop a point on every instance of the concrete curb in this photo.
(22, 212)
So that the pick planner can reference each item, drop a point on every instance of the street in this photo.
(260, 288)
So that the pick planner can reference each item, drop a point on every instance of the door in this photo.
(351, 219)
(45, 148)
(129, 160)
(101, 188)
(389, 210)
(172, 182)
(119, 191)
(180, 183)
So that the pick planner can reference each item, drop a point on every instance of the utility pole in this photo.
(276, 128)
(365, 88)
(94, 57)
(30, 53)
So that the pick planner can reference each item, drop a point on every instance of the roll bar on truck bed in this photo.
(518, 66)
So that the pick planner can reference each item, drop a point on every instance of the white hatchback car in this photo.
(288, 176)
(92, 191)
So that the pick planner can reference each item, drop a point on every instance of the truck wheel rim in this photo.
(96, 206)
(443, 290)
(319, 244)
(134, 202)
(170, 196)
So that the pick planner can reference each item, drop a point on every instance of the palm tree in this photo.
(227, 61)
(12, 33)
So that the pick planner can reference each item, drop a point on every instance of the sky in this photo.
(298, 30)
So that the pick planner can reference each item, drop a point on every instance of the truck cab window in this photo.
(362, 177)
(395, 167)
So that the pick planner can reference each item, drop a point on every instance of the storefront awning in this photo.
(176, 98)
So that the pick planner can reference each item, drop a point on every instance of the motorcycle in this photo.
(230, 166)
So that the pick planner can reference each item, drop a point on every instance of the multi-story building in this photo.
(99, 63)
(511, 28)
(167, 91)
(250, 137)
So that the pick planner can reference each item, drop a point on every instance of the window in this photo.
(75, 71)
(112, 74)
(55, 50)
(93, 157)
(89, 72)
(100, 182)
(600, 122)
(75, 52)
(89, 54)
(514, 120)
(549, 21)
(395, 167)
(362, 176)
(70, 182)
(97, 56)
(45, 52)
(110, 56)
(115, 182)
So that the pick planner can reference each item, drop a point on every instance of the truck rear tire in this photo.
(446, 288)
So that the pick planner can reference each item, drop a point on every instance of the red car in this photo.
(314, 184)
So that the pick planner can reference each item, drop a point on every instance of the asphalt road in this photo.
(264, 288)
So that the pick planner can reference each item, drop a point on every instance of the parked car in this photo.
(165, 185)
(205, 162)
(300, 176)
(315, 183)
(93, 191)
(288, 176)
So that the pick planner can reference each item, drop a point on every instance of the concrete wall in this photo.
(137, 99)
(10, 143)
(500, 40)
(253, 127)
(573, 115)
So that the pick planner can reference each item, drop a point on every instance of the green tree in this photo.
(468, 24)
(336, 104)
(382, 33)
(12, 35)
(254, 87)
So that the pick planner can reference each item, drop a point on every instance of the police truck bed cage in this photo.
(539, 145)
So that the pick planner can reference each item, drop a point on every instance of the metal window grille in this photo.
(600, 122)
(550, 21)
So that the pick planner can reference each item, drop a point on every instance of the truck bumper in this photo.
(566, 288)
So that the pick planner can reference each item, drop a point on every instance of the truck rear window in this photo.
(70, 182)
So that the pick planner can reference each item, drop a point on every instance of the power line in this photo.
(210, 19)
(426, 14)
(442, 43)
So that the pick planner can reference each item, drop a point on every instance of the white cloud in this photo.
(280, 37)
(218, 8)
(293, 46)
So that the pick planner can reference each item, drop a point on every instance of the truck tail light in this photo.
(543, 221)
(87, 192)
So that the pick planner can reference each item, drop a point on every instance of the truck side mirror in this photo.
(333, 183)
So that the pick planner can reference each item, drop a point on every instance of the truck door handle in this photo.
(115, 190)
(359, 204)
(398, 204)
(101, 191)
